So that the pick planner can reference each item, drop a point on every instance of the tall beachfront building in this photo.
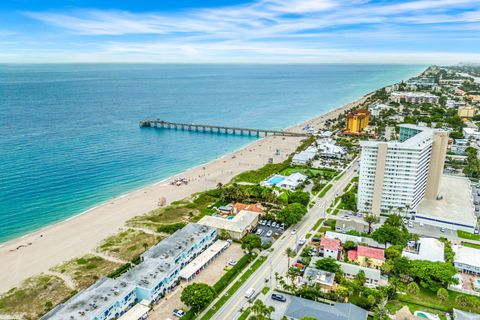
(357, 120)
(400, 174)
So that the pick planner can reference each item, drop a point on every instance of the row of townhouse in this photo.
(156, 275)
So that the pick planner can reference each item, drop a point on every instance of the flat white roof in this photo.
(136, 312)
(466, 255)
(239, 223)
(207, 255)
(430, 249)
(456, 207)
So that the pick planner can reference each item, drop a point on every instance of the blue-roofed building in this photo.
(299, 308)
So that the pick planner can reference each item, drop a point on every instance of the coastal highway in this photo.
(277, 260)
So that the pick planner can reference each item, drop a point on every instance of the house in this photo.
(464, 315)
(257, 207)
(304, 157)
(467, 111)
(328, 149)
(459, 146)
(471, 133)
(237, 227)
(292, 182)
(324, 279)
(373, 277)
(367, 256)
(299, 308)
(330, 248)
(427, 249)
(466, 260)
(347, 225)
(325, 134)
(377, 108)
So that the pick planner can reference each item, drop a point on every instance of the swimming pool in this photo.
(230, 217)
(273, 181)
(426, 315)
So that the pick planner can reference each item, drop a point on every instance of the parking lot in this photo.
(268, 233)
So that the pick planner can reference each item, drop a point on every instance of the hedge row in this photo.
(226, 279)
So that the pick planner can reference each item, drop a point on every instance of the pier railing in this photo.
(217, 129)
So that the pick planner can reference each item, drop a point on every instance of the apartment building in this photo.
(414, 97)
(357, 120)
(400, 174)
(149, 281)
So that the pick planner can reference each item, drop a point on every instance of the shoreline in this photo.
(39, 250)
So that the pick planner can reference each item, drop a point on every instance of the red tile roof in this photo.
(330, 244)
(248, 207)
(373, 253)
(352, 255)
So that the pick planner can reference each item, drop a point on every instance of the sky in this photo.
(236, 31)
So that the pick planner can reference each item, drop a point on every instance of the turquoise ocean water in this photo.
(69, 135)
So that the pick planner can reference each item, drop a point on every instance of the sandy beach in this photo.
(39, 251)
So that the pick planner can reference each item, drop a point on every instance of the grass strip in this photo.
(471, 245)
(467, 235)
(325, 190)
(234, 288)
(245, 314)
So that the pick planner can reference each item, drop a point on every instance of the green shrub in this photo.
(171, 228)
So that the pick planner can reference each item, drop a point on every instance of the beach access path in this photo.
(39, 251)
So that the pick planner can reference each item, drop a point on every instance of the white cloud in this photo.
(279, 30)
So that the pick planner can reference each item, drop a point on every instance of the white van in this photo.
(250, 292)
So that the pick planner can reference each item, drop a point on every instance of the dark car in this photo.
(279, 297)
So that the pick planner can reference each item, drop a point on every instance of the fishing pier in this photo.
(217, 129)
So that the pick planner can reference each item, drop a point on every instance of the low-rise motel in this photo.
(156, 275)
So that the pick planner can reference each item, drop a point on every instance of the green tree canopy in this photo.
(197, 296)
(251, 241)
(299, 197)
(327, 264)
(292, 213)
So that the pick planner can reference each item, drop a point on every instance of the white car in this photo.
(302, 241)
(269, 233)
(232, 262)
(178, 313)
(259, 232)
(250, 292)
(293, 231)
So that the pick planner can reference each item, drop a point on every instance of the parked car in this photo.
(232, 262)
(293, 231)
(269, 233)
(262, 222)
(178, 313)
(269, 223)
(410, 224)
(274, 224)
(421, 224)
(278, 297)
(442, 230)
(250, 292)
(259, 232)
(405, 221)
(476, 231)
(282, 226)
(475, 202)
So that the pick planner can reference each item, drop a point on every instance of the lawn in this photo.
(224, 298)
(35, 296)
(467, 235)
(327, 174)
(324, 190)
(427, 298)
(471, 245)
(86, 270)
(128, 244)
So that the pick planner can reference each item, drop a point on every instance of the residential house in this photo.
(367, 256)
(471, 133)
(324, 279)
(373, 277)
(255, 207)
(237, 227)
(305, 156)
(467, 260)
(330, 248)
(426, 249)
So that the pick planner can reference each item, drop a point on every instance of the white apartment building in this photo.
(414, 97)
(400, 174)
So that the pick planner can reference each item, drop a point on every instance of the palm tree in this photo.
(381, 311)
(370, 219)
(415, 237)
(290, 254)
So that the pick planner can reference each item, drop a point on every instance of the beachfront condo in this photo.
(357, 120)
(398, 175)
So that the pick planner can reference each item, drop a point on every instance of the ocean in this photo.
(69, 134)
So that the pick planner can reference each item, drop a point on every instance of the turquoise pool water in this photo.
(422, 315)
(275, 180)
(230, 217)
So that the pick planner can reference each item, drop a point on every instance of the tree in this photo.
(370, 219)
(463, 300)
(261, 311)
(395, 220)
(292, 213)
(432, 275)
(327, 264)
(349, 200)
(349, 245)
(290, 254)
(442, 294)
(381, 310)
(390, 234)
(393, 252)
(413, 288)
(197, 296)
(251, 241)
(299, 197)
(360, 278)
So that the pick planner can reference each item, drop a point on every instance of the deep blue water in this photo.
(69, 135)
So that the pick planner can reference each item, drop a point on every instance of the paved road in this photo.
(277, 260)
